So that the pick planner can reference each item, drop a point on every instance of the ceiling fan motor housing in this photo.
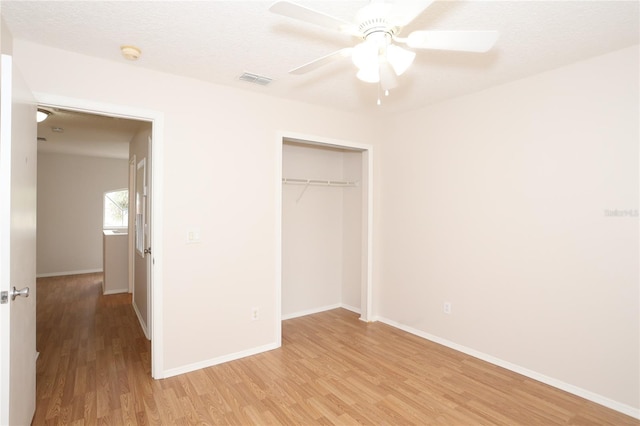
(371, 19)
(377, 26)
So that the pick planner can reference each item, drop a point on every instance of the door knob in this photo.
(22, 292)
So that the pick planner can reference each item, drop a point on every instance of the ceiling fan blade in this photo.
(301, 13)
(464, 41)
(315, 64)
(405, 11)
(388, 78)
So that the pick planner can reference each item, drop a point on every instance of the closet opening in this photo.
(325, 226)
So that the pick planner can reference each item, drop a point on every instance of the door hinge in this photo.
(4, 297)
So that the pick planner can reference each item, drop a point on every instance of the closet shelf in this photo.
(318, 182)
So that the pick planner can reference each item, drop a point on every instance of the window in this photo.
(116, 209)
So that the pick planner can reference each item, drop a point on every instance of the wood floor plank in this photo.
(128, 412)
(95, 369)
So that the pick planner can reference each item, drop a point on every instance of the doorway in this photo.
(356, 162)
(82, 191)
(154, 229)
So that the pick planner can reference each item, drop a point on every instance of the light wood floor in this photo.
(94, 368)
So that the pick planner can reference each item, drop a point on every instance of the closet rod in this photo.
(319, 182)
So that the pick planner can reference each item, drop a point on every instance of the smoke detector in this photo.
(131, 53)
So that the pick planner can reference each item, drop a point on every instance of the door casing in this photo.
(366, 299)
(156, 118)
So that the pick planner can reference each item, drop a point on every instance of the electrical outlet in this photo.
(447, 307)
(255, 314)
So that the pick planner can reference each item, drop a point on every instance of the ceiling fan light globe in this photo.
(365, 56)
(369, 75)
(41, 115)
(399, 58)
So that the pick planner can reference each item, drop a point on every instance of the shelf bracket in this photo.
(302, 192)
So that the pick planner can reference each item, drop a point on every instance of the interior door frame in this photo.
(156, 118)
(366, 295)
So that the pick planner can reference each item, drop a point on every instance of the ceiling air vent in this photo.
(255, 78)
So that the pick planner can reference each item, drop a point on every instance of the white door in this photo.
(142, 263)
(18, 154)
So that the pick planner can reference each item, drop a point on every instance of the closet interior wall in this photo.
(321, 230)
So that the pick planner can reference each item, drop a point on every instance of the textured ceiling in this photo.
(218, 40)
(69, 132)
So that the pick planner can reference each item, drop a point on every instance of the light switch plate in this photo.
(193, 235)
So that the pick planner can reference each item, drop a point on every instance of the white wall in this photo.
(320, 249)
(70, 202)
(496, 203)
(219, 176)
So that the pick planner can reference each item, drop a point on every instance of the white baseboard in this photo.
(350, 308)
(60, 274)
(268, 347)
(123, 290)
(142, 323)
(321, 309)
(583, 393)
(219, 360)
(311, 311)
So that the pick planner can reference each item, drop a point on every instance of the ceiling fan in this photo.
(378, 56)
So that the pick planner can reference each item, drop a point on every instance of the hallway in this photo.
(94, 360)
